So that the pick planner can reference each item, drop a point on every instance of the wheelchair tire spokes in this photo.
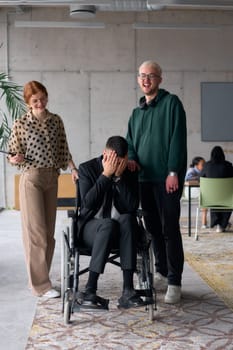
(145, 271)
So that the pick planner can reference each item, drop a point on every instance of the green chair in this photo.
(215, 194)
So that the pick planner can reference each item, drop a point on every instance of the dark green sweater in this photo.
(157, 137)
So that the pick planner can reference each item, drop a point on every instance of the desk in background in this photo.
(190, 184)
(66, 196)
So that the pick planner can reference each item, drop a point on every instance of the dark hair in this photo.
(118, 144)
(196, 161)
(217, 155)
(32, 88)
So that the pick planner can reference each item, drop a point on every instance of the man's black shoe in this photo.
(89, 297)
(130, 299)
(92, 301)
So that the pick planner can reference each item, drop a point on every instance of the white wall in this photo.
(90, 74)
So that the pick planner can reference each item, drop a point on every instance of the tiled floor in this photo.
(17, 305)
(201, 321)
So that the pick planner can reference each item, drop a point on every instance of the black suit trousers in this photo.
(162, 221)
(219, 218)
(102, 235)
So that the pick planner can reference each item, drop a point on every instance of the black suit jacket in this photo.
(93, 187)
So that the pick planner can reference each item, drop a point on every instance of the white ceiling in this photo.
(128, 5)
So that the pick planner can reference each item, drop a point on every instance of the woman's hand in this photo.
(74, 175)
(16, 159)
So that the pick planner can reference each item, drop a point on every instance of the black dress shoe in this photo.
(130, 299)
(92, 301)
(88, 297)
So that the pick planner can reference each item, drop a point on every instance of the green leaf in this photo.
(11, 93)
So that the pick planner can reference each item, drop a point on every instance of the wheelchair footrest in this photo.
(144, 303)
(147, 294)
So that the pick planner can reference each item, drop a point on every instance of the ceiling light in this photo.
(52, 24)
(82, 11)
(191, 4)
(174, 26)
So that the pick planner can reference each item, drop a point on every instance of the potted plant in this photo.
(11, 93)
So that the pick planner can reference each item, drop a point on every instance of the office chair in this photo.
(215, 194)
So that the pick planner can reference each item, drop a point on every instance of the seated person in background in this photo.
(193, 173)
(109, 200)
(218, 167)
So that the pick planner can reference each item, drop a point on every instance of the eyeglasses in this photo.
(150, 76)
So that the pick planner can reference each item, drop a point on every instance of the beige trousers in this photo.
(38, 203)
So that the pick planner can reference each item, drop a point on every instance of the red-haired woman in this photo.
(38, 142)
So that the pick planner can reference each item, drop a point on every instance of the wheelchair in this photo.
(72, 250)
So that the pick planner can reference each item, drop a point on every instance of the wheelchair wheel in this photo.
(152, 307)
(63, 260)
(65, 268)
(67, 311)
(145, 274)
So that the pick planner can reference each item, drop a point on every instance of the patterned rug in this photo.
(201, 321)
(212, 257)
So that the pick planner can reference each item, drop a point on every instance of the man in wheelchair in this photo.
(109, 201)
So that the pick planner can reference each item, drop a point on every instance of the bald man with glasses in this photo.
(158, 149)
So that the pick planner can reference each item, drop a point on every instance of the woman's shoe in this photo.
(204, 226)
(52, 293)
